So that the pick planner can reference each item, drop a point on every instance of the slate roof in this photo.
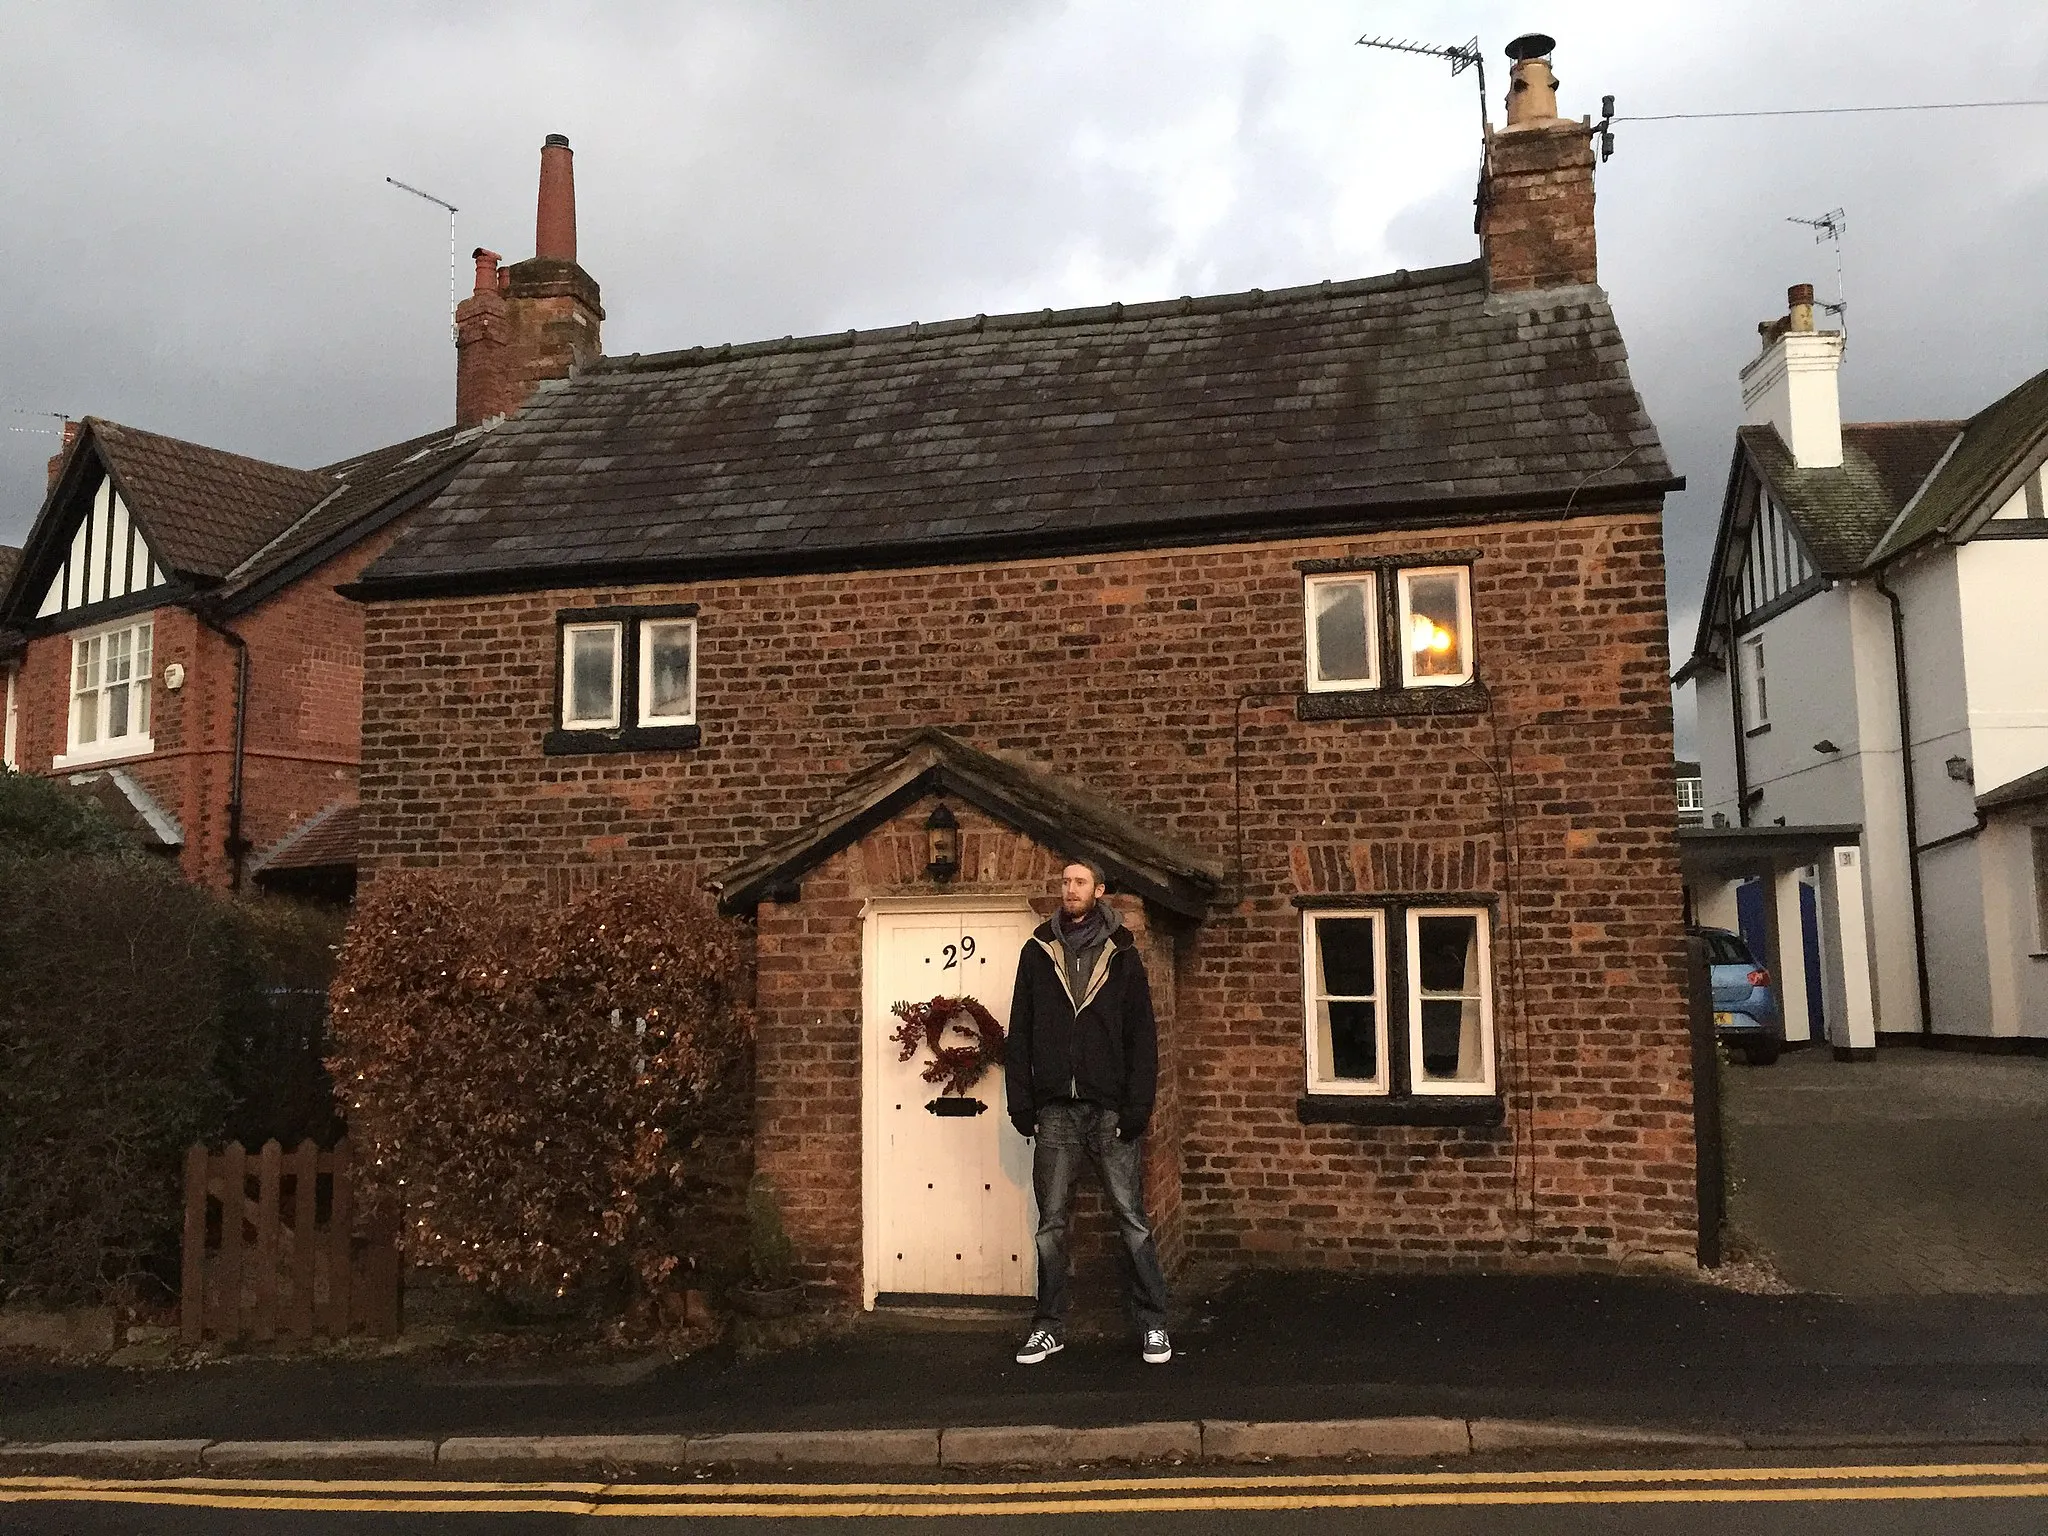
(1994, 443)
(323, 840)
(1843, 513)
(1401, 395)
(11, 640)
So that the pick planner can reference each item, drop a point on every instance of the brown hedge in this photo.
(520, 1083)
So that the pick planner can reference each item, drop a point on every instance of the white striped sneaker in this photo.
(1041, 1344)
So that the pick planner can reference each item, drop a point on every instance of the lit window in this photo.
(668, 672)
(1343, 632)
(1436, 627)
(1450, 1012)
(1347, 1034)
(110, 673)
(590, 676)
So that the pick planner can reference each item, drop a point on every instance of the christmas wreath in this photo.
(958, 1067)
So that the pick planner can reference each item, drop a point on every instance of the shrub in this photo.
(138, 1014)
(521, 1085)
(109, 1044)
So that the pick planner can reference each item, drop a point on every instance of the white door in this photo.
(949, 1204)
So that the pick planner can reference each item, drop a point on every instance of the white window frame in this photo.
(646, 670)
(1310, 586)
(107, 748)
(7, 731)
(1756, 683)
(617, 631)
(1417, 1084)
(1691, 794)
(1404, 576)
(1317, 1081)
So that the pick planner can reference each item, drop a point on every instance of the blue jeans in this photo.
(1071, 1133)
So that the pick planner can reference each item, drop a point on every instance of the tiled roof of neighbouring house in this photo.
(1842, 513)
(1391, 396)
(1993, 444)
(10, 561)
(324, 839)
(241, 527)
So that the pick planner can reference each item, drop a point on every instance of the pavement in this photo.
(1919, 1173)
(1442, 1355)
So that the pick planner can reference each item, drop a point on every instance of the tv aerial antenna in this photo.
(1463, 57)
(438, 202)
(1828, 229)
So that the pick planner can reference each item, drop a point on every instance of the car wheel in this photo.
(1762, 1054)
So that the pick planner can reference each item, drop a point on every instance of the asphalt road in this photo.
(1817, 1497)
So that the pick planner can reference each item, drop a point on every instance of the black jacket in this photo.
(1106, 1051)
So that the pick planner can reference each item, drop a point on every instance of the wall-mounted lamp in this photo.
(1824, 745)
(1960, 770)
(942, 844)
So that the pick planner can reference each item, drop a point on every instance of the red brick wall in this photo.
(1133, 674)
(807, 1053)
(1537, 221)
(305, 708)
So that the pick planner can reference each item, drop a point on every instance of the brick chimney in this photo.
(57, 459)
(534, 320)
(1536, 190)
(1794, 384)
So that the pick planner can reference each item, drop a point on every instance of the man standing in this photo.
(1082, 1067)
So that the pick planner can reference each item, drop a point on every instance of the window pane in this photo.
(117, 710)
(1448, 954)
(1343, 648)
(1348, 1046)
(1435, 624)
(85, 718)
(118, 656)
(145, 660)
(668, 661)
(593, 673)
(1347, 957)
(1452, 1042)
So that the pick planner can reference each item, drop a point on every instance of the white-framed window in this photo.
(1435, 626)
(668, 671)
(590, 676)
(2038, 845)
(1754, 683)
(7, 731)
(1343, 631)
(1690, 795)
(110, 677)
(1450, 1001)
(1345, 994)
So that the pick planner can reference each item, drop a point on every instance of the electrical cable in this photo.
(1925, 106)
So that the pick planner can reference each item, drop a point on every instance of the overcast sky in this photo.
(200, 240)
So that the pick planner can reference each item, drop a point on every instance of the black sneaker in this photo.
(1042, 1344)
(1158, 1347)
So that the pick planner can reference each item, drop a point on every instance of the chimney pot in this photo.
(554, 225)
(1799, 307)
(1532, 88)
(486, 270)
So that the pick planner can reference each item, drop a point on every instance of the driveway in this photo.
(1920, 1172)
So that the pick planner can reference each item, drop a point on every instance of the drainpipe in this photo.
(237, 847)
(1912, 812)
(1735, 714)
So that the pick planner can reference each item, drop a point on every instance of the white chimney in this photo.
(1795, 384)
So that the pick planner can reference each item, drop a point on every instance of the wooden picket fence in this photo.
(274, 1248)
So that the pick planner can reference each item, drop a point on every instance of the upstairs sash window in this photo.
(110, 676)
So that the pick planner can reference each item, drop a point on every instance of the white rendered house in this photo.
(1874, 584)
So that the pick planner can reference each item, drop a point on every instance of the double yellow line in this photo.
(1090, 1496)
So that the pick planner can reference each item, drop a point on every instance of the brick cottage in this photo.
(1330, 620)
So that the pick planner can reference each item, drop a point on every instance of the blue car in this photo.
(1745, 1011)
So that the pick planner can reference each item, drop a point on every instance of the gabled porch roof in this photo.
(1055, 813)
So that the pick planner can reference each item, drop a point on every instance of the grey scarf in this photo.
(1080, 943)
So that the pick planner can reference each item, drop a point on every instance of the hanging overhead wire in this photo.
(1924, 106)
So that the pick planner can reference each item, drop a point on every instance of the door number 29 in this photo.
(957, 954)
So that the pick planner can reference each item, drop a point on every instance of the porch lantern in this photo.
(942, 844)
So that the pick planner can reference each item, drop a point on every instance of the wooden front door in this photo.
(949, 1210)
